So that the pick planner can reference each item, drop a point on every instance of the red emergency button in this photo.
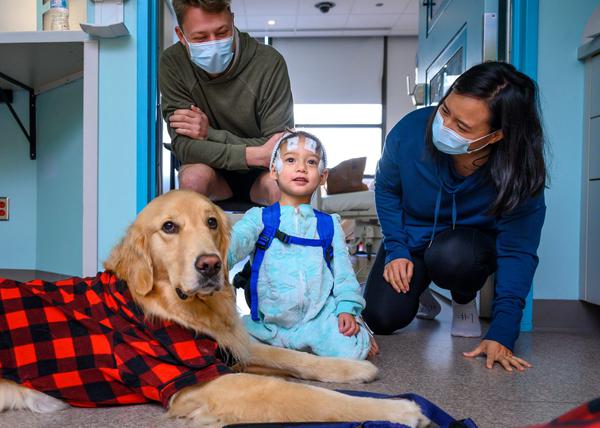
(2, 213)
(2, 204)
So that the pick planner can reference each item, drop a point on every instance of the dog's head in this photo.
(178, 243)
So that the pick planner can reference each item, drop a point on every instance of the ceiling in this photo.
(300, 18)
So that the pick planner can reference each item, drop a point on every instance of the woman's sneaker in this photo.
(429, 307)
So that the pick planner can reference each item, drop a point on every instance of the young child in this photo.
(304, 294)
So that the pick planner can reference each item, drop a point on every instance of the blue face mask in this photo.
(214, 56)
(448, 141)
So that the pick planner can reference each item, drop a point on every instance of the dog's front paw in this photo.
(362, 372)
(348, 371)
(409, 413)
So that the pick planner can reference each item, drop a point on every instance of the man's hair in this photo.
(210, 6)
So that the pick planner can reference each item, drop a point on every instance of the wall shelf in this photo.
(41, 59)
(37, 61)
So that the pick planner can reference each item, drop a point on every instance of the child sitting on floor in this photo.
(303, 292)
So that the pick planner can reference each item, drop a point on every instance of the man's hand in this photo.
(398, 273)
(495, 352)
(260, 156)
(348, 325)
(190, 122)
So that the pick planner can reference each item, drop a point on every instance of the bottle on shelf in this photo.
(57, 16)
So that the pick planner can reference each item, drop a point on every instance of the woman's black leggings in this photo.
(458, 260)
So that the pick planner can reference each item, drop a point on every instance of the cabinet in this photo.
(590, 248)
(38, 62)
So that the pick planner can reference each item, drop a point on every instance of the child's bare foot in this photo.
(374, 350)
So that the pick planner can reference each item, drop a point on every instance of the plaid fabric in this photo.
(585, 416)
(86, 342)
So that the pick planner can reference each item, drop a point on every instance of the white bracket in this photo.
(416, 93)
(108, 20)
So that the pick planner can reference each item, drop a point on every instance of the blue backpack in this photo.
(271, 219)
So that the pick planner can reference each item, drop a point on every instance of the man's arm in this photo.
(176, 96)
(222, 149)
(276, 109)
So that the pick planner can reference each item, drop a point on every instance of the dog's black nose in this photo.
(209, 265)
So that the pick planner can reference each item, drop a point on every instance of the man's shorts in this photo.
(240, 182)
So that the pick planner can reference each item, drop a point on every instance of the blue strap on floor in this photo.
(433, 412)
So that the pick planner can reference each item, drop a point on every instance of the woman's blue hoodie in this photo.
(418, 197)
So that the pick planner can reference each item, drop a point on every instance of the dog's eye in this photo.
(212, 222)
(170, 227)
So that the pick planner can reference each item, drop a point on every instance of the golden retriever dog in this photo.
(173, 262)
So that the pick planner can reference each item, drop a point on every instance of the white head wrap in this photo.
(291, 137)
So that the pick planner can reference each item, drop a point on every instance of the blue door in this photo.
(453, 36)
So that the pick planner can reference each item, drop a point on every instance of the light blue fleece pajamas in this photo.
(299, 299)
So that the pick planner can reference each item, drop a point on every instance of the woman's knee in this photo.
(461, 256)
(386, 324)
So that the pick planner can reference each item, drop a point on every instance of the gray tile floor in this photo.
(426, 360)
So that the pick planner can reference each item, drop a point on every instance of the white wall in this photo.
(334, 70)
(347, 70)
(402, 53)
(18, 15)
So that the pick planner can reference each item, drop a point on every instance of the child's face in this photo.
(300, 173)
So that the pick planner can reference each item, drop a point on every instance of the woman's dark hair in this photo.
(517, 165)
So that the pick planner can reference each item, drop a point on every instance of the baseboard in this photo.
(24, 275)
(567, 316)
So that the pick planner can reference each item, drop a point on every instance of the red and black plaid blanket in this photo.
(86, 342)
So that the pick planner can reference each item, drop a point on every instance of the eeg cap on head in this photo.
(311, 143)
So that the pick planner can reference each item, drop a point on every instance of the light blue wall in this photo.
(561, 82)
(117, 135)
(58, 246)
(18, 177)
(59, 179)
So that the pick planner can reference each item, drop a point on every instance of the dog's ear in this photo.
(224, 235)
(130, 260)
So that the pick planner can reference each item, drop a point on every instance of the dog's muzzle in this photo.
(208, 267)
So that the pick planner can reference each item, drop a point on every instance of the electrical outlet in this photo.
(3, 208)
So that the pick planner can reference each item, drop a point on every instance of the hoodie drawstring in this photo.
(438, 203)
(453, 211)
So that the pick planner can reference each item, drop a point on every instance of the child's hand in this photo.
(348, 325)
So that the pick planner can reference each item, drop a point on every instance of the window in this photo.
(441, 82)
(347, 130)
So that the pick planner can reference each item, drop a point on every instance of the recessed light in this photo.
(378, 4)
(271, 22)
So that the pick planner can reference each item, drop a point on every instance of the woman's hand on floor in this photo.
(398, 274)
(496, 352)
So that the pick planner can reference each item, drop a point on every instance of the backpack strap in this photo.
(270, 219)
(325, 230)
